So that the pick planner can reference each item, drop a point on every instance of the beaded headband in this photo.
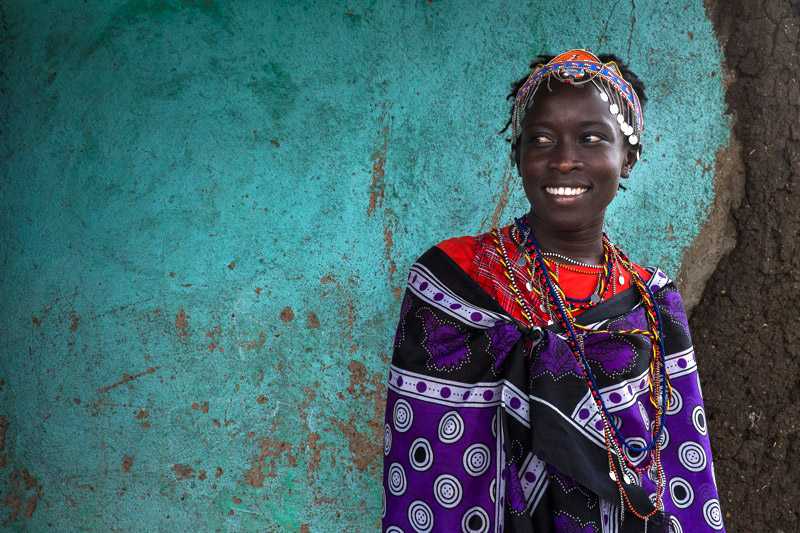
(572, 67)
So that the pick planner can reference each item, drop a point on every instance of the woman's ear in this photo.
(631, 157)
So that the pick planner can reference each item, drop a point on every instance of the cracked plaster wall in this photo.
(207, 212)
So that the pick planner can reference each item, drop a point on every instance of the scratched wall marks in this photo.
(207, 212)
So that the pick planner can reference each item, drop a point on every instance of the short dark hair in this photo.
(626, 72)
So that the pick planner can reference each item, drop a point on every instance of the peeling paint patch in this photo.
(287, 315)
(313, 321)
(269, 452)
(181, 323)
(127, 463)
(126, 378)
(378, 187)
(183, 471)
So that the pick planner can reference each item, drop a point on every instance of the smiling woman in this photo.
(541, 381)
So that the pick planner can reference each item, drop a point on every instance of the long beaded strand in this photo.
(555, 297)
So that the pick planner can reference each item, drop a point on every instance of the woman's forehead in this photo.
(568, 103)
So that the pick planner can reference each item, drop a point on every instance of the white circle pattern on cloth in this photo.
(681, 492)
(451, 427)
(636, 457)
(712, 514)
(692, 456)
(420, 516)
(475, 520)
(447, 491)
(397, 479)
(393, 529)
(383, 503)
(492, 486)
(699, 420)
(476, 459)
(675, 525)
(420, 454)
(675, 403)
(403, 416)
(387, 439)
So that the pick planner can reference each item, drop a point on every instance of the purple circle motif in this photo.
(515, 403)
(421, 386)
(399, 381)
(598, 425)
(476, 316)
(682, 363)
(423, 285)
(530, 477)
(615, 397)
(488, 395)
(438, 297)
(455, 306)
(466, 394)
(583, 414)
(445, 392)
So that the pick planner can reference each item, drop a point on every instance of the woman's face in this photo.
(571, 155)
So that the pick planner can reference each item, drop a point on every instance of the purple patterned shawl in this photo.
(479, 437)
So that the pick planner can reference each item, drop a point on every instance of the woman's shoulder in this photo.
(464, 249)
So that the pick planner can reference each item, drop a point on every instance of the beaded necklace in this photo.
(658, 387)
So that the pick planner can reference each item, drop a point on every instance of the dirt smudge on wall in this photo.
(127, 463)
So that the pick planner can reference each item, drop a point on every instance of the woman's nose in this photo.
(564, 158)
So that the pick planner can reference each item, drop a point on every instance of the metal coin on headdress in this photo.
(521, 260)
(633, 139)
(604, 97)
(529, 286)
(594, 298)
(624, 128)
(621, 279)
(620, 118)
(614, 109)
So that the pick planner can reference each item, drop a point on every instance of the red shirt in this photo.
(481, 258)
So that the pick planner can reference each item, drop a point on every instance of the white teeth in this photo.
(566, 191)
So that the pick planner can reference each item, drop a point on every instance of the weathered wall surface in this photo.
(746, 325)
(207, 212)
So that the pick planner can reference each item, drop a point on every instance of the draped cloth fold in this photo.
(490, 425)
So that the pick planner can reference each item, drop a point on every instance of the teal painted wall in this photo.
(207, 212)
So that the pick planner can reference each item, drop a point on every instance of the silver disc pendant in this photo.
(543, 308)
(529, 286)
(521, 260)
(621, 279)
(604, 97)
(594, 298)
(613, 108)
(620, 118)
(633, 139)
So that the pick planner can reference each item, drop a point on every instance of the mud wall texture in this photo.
(207, 210)
(746, 325)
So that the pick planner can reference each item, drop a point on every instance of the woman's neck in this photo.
(584, 244)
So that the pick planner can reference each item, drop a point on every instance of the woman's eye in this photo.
(540, 139)
(592, 138)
